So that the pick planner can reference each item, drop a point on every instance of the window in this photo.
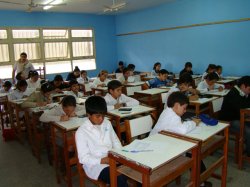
(49, 48)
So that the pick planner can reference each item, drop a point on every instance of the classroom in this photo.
(169, 80)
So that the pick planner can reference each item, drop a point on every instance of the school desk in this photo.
(117, 116)
(132, 87)
(217, 92)
(100, 90)
(209, 142)
(159, 160)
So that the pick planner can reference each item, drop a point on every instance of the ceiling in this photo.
(84, 6)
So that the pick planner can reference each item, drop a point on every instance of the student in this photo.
(210, 83)
(124, 79)
(219, 71)
(34, 80)
(19, 92)
(66, 110)
(120, 67)
(39, 98)
(237, 98)
(101, 80)
(187, 69)
(132, 68)
(58, 84)
(20, 76)
(161, 80)
(156, 69)
(73, 75)
(74, 89)
(83, 78)
(94, 138)
(115, 99)
(6, 87)
(210, 69)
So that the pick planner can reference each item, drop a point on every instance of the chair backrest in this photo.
(138, 126)
(86, 89)
(41, 72)
(164, 98)
(216, 104)
(131, 89)
(118, 75)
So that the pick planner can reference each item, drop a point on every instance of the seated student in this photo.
(160, 80)
(115, 99)
(210, 83)
(64, 111)
(20, 76)
(83, 78)
(120, 67)
(132, 68)
(187, 69)
(74, 89)
(237, 98)
(19, 92)
(73, 75)
(58, 84)
(210, 69)
(39, 98)
(101, 80)
(94, 138)
(6, 87)
(34, 80)
(124, 79)
(219, 71)
(156, 69)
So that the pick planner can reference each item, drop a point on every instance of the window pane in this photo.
(56, 50)
(85, 64)
(5, 72)
(4, 53)
(25, 33)
(81, 33)
(55, 34)
(3, 34)
(32, 49)
(58, 67)
(82, 49)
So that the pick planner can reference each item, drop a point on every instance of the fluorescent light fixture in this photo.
(51, 2)
(47, 7)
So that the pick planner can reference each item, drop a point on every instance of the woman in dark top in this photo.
(187, 69)
(74, 75)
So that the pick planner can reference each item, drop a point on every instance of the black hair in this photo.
(23, 54)
(83, 71)
(33, 73)
(21, 83)
(19, 76)
(72, 82)
(102, 72)
(7, 84)
(125, 70)
(131, 66)
(58, 78)
(211, 66)
(188, 65)
(46, 87)
(96, 105)
(177, 97)
(244, 80)
(121, 63)
(156, 64)
(218, 67)
(69, 100)
(76, 69)
(212, 76)
(163, 71)
(112, 85)
(185, 78)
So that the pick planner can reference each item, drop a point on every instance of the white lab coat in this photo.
(97, 81)
(203, 86)
(16, 94)
(93, 143)
(25, 67)
(54, 115)
(34, 85)
(111, 101)
(170, 121)
(79, 94)
(172, 89)
(80, 80)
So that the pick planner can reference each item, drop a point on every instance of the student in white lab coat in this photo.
(83, 78)
(74, 89)
(6, 87)
(63, 112)
(34, 81)
(115, 99)
(101, 80)
(19, 92)
(210, 83)
(94, 138)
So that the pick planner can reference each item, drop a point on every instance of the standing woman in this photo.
(22, 65)
(156, 69)
(74, 75)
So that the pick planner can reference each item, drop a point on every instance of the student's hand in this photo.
(57, 90)
(64, 118)
(118, 105)
(220, 88)
(73, 114)
(105, 160)
(193, 91)
(197, 121)
(125, 82)
(193, 97)
(41, 104)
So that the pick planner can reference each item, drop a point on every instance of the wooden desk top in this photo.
(72, 124)
(225, 81)
(134, 83)
(18, 101)
(4, 94)
(135, 110)
(162, 149)
(152, 91)
(217, 93)
(232, 77)
(203, 100)
(43, 108)
(203, 132)
(101, 88)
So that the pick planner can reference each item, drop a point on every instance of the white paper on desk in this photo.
(139, 145)
(196, 130)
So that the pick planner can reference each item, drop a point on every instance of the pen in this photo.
(138, 151)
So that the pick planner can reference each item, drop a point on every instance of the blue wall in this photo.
(104, 28)
(224, 44)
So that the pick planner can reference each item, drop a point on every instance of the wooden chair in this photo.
(244, 117)
(81, 172)
(86, 89)
(41, 72)
(4, 109)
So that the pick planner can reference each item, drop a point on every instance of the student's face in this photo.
(180, 109)
(96, 119)
(77, 73)
(163, 77)
(116, 92)
(57, 83)
(245, 89)
(103, 77)
(158, 67)
(75, 88)
(84, 75)
(183, 87)
(47, 94)
(6, 88)
(34, 78)
(189, 68)
(23, 88)
(211, 70)
(69, 110)
(23, 58)
(127, 74)
(211, 83)
(219, 71)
